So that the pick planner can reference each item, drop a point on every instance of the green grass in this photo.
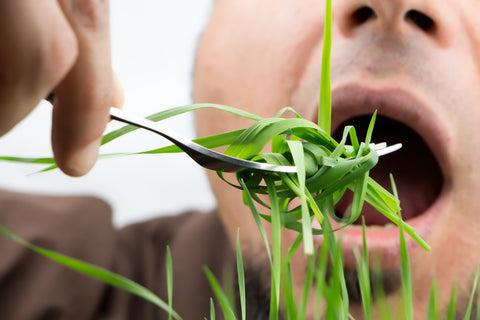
(326, 169)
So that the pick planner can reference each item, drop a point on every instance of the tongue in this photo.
(416, 172)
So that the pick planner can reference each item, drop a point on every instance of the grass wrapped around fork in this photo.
(326, 169)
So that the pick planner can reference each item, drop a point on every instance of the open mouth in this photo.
(415, 169)
(421, 169)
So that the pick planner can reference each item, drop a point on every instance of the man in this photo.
(414, 61)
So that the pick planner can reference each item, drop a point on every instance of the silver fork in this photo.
(203, 156)
(214, 160)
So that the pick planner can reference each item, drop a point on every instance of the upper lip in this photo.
(349, 101)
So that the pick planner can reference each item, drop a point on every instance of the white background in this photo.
(153, 46)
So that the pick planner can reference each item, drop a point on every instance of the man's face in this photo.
(417, 62)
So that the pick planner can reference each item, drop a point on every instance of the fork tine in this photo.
(386, 150)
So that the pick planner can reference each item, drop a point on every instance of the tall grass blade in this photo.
(276, 246)
(169, 271)
(363, 271)
(241, 279)
(478, 305)
(291, 251)
(171, 112)
(405, 264)
(472, 296)
(324, 106)
(307, 285)
(290, 305)
(432, 309)
(296, 149)
(337, 299)
(222, 298)
(452, 305)
(320, 277)
(94, 272)
(256, 216)
(28, 160)
(212, 310)
(368, 137)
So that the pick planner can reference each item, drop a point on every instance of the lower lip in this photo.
(384, 241)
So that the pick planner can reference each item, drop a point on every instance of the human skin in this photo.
(414, 61)
(60, 47)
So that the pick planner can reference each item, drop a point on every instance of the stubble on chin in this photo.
(257, 284)
(258, 276)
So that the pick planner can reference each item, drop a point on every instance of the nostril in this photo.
(420, 20)
(362, 15)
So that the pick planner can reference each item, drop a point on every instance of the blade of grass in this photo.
(324, 106)
(307, 285)
(339, 296)
(405, 264)
(169, 271)
(212, 310)
(368, 137)
(257, 136)
(299, 161)
(273, 312)
(222, 298)
(213, 141)
(384, 202)
(472, 296)
(359, 197)
(432, 310)
(290, 305)
(363, 271)
(478, 305)
(364, 284)
(320, 277)
(174, 112)
(256, 216)
(28, 160)
(276, 246)
(241, 279)
(452, 305)
(291, 251)
(94, 272)
(228, 287)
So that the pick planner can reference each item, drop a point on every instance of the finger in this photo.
(118, 96)
(84, 97)
(37, 49)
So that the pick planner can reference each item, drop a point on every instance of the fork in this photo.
(213, 160)
(205, 157)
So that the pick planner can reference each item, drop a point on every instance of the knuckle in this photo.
(60, 54)
(90, 14)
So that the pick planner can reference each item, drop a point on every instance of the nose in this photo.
(393, 18)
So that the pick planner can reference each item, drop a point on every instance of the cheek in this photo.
(252, 55)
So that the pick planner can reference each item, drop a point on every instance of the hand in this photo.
(61, 47)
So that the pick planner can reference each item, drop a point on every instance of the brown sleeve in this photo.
(32, 287)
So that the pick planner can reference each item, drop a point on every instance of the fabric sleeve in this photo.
(31, 286)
